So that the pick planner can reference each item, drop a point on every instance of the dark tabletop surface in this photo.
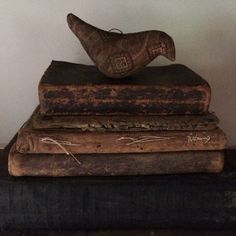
(122, 233)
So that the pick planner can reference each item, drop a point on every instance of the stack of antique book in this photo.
(153, 122)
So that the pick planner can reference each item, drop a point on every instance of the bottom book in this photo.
(59, 165)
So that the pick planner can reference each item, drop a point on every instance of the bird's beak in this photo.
(171, 54)
(170, 48)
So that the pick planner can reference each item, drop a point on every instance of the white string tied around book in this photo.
(60, 144)
(144, 139)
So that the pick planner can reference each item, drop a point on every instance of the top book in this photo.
(68, 88)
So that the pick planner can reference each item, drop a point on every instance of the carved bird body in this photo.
(119, 55)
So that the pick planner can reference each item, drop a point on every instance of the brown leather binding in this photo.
(207, 121)
(75, 89)
(37, 141)
(114, 164)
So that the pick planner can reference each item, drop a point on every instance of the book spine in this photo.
(55, 141)
(114, 164)
(86, 100)
(125, 123)
(174, 201)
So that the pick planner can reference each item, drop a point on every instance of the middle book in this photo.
(177, 136)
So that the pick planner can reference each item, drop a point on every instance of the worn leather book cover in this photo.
(76, 141)
(68, 88)
(207, 121)
(58, 165)
(200, 201)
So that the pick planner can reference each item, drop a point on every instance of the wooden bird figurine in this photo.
(118, 55)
